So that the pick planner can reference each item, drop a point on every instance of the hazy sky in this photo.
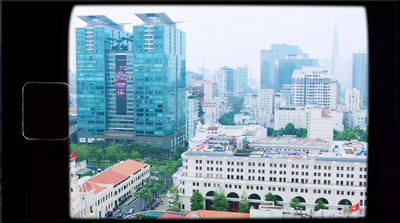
(232, 36)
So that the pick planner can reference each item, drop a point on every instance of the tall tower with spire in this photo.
(335, 49)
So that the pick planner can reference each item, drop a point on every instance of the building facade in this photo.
(289, 64)
(241, 74)
(352, 100)
(321, 124)
(361, 77)
(315, 83)
(295, 114)
(192, 118)
(269, 63)
(314, 175)
(131, 86)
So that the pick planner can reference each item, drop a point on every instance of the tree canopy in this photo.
(196, 201)
(220, 202)
(320, 205)
(271, 197)
(236, 104)
(295, 203)
(290, 130)
(244, 204)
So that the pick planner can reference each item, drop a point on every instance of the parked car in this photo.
(120, 215)
(130, 211)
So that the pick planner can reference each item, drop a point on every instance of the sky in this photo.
(233, 36)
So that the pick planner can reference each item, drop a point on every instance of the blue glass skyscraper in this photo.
(159, 81)
(288, 65)
(93, 43)
(268, 74)
(360, 77)
(131, 86)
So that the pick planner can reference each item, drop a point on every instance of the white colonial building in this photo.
(93, 197)
(335, 172)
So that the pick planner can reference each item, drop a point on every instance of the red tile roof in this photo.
(208, 214)
(170, 216)
(89, 186)
(128, 167)
(112, 176)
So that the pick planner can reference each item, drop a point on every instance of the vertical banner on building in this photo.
(120, 84)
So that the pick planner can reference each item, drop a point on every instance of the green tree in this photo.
(111, 153)
(98, 155)
(178, 151)
(227, 119)
(295, 203)
(320, 205)
(270, 131)
(244, 204)
(175, 204)
(135, 155)
(236, 104)
(346, 135)
(196, 201)
(271, 197)
(83, 152)
(220, 202)
(290, 129)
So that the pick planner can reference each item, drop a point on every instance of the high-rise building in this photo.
(210, 91)
(225, 77)
(315, 83)
(131, 87)
(335, 50)
(352, 100)
(360, 77)
(265, 106)
(103, 72)
(288, 65)
(159, 67)
(241, 74)
(269, 63)
(265, 100)
(192, 118)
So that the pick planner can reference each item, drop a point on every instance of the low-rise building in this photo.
(93, 197)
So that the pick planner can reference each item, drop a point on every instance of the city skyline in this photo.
(216, 50)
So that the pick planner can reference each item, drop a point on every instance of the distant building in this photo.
(361, 77)
(210, 116)
(359, 118)
(320, 124)
(315, 83)
(210, 91)
(352, 100)
(192, 117)
(269, 60)
(287, 65)
(225, 82)
(265, 100)
(241, 74)
(295, 114)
